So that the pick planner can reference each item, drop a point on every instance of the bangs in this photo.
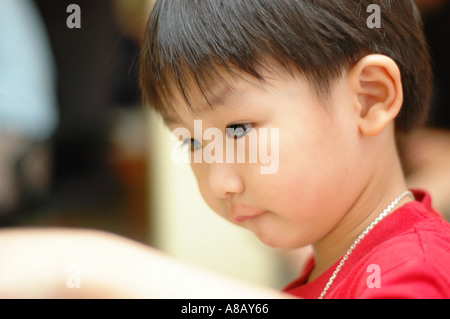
(192, 46)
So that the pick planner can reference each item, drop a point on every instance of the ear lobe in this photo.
(377, 83)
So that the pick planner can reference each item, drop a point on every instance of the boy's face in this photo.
(320, 172)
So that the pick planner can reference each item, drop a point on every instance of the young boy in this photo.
(339, 80)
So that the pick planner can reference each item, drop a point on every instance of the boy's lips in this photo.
(241, 213)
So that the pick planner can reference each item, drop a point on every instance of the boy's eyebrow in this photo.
(214, 100)
(219, 97)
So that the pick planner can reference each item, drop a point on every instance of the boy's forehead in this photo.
(225, 89)
(197, 101)
(197, 107)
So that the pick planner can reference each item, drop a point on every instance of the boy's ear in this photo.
(376, 82)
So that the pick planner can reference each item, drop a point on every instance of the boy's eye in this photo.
(238, 130)
(193, 144)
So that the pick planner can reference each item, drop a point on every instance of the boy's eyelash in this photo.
(192, 143)
(238, 130)
(235, 131)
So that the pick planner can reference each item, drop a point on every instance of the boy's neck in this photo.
(379, 193)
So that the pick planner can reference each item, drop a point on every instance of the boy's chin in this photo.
(277, 242)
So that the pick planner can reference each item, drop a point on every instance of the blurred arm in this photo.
(45, 263)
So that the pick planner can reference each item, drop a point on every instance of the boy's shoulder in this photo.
(407, 257)
(415, 231)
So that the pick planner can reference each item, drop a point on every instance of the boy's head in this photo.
(312, 69)
(190, 45)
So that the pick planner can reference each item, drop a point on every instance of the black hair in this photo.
(190, 42)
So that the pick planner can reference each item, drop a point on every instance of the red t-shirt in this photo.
(407, 255)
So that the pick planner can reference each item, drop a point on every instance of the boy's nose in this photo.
(225, 180)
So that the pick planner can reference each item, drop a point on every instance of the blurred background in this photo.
(84, 151)
(78, 148)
